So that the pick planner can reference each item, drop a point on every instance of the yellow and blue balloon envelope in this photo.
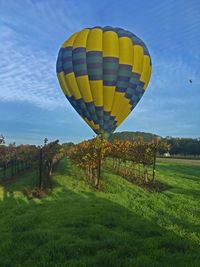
(103, 72)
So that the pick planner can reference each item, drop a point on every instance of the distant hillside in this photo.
(178, 145)
(67, 145)
(132, 136)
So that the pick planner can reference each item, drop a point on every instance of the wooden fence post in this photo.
(40, 169)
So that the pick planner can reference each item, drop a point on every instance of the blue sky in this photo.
(32, 105)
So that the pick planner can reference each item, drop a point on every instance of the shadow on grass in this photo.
(81, 229)
(68, 170)
(150, 186)
(194, 193)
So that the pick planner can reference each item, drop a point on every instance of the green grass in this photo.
(191, 162)
(123, 225)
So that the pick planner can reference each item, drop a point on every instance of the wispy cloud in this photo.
(31, 32)
(27, 74)
(28, 53)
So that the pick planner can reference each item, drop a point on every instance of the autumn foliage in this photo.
(48, 157)
(16, 159)
(89, 155)
(130, 159)
(135, 159)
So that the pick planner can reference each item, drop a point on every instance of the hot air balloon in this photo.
(103, 72)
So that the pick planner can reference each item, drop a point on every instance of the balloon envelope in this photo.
(103, 72)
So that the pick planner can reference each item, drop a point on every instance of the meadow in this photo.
(122, 225)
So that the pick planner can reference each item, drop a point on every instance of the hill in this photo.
(178, 145)
(121, 226)
(130, 136)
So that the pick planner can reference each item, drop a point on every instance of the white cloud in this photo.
(28, 49)
(26, 73)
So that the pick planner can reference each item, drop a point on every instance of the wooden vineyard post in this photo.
(12, 167)
(154, 163)
(154, 157)
(40, 169)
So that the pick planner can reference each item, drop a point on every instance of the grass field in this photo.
(191, 162)
(123, 225)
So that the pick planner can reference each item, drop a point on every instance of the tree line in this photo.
(178, 145)
(183, 146)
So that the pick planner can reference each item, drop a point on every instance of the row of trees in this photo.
(134, 159)
(89, 155)
(127, 157)
(15, 159)
(178, 146)
(49, 156)
(183, 146)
